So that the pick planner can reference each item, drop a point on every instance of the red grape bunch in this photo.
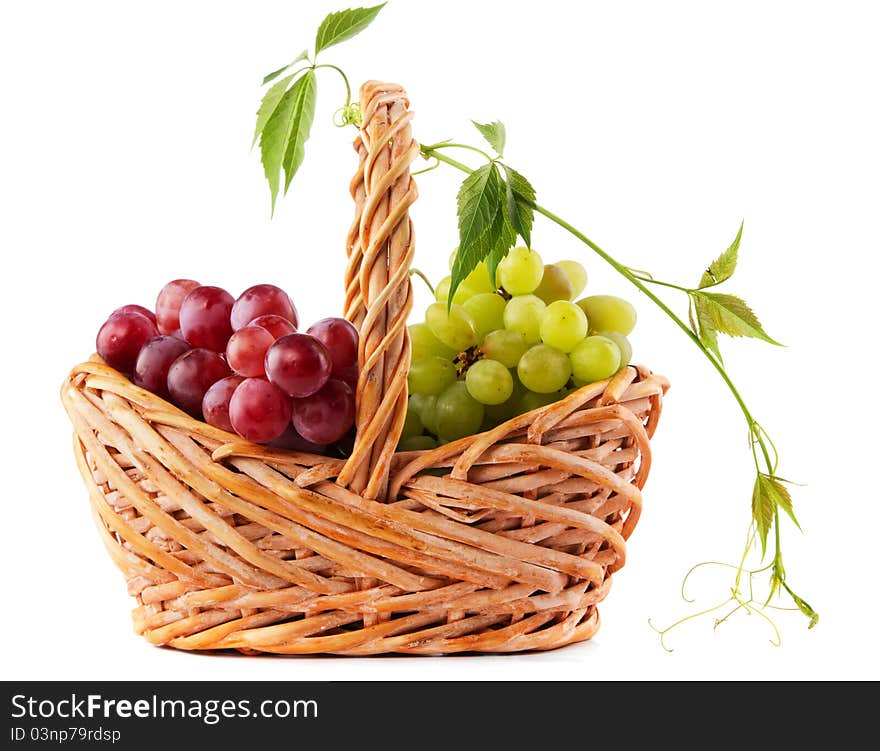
(241, 364)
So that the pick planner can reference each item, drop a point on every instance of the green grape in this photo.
(455, 328)
(576, 274)
(504, 346)
(462, 293)
(430, 376)
(498, 413)
(595, 359)
(479, 279)
(563, 325)
(555, 285)
(412, 425)
(608, 313)
(426, 408)
(425, 344)
(531, 400)
(487, 310)
(458, 413)
(520, 271)
(626, 350)
(523, 315)
(417, 443)
(489, 382)
(544, 369)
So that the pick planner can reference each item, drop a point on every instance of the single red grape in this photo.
(204, 318)
(293, 441)
(349, 375)
(169, 301)
(191, 375)
(259, 411)
(215, 405)
(246, 351)
(137, 309)
(326, 416)
(298, 364)
(260, 300)
(275, 325)
(154, 361)
(341, 340)
(120, 339)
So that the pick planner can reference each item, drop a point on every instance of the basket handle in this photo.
(378, 295)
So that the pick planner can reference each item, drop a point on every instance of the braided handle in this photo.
(378, 291)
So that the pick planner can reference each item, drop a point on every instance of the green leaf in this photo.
(270, 103)
(494, 133)
(732, 316)
(763, 509)
(337, 27)
(774, 488)
(706, 330)
(305, 91)
(479, 204)
(722, 268)
(304, 55)
(520, 199)
(273, 142)
(505, 238)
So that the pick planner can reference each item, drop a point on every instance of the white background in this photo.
(654, 127)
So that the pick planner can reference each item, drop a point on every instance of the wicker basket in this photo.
(499, 542)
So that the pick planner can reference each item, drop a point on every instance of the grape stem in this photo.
(757, 435)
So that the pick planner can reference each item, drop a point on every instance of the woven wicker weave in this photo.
(500, 542)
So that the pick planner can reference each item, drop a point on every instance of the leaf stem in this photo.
(344, 79)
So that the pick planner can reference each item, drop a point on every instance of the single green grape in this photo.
(523, 315)
(594, 359)
(576, 274)
(458, 414)
(626, 350)
(532, 400)
(544, 369)
(487, 310)
(520, 271)
(478, 280)
(454, 327)
(505, 346)
(489, 382)
(555, 285)
(425, 344)
(430, 376)
(417, 443)
(412, 425)
(426, 408)
(462, 293)
(563, 325)
(609, 313)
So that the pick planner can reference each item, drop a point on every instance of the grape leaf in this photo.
(479, 203)
(722, 268)
(270, 102)
(763, 508)
(520, 201)
(304, 55)
(305, 93)
(706, 330)
(774, 488)
(505, 238)
(732, 316)
(273, 142)
(494, 133)
(344, 24)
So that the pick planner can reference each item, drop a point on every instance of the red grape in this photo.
(349, 375)
(246, 351)
(191, 375)
(260, 300)
(275, 325)
(298, 364)
(259, 411)
(341, 340)
(293, 441)
(137, 309)
(153, 362)
(327, 415)
(169, 301)
(215, 405)
(204, 318)
(121, 337)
